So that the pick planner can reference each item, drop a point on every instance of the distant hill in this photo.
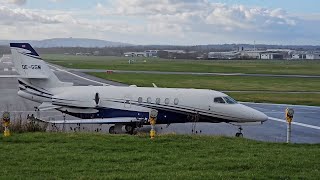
(68, 42)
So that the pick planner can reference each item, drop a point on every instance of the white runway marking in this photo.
(14, 69)
(282, 112)
(10, 76)
(80, 76)
(295, 123)
(285, 105)
(7, 62)
(6, 69)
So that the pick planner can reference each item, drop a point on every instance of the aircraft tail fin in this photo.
(30, 66)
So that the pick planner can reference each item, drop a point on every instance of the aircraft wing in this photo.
(120, 120)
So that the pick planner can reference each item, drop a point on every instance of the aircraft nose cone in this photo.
(253, 115)
(259, 116)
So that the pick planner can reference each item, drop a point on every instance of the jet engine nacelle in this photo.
(77, 99)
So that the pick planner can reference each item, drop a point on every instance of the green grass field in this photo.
(226, 83)
(233, 83)
(217, 82)
(279, 98)
(155, 64)
(97, 156)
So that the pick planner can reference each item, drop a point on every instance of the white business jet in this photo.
(127, 107)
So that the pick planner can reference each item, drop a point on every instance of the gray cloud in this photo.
(202, 18)
(16, 2)
(18, 15)
(164, 22)
(182, 11)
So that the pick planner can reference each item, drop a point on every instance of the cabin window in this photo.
(140, 99)
(176, 101)
(158, 101)
(149, 100)
(219, 100)
(229, 100)
(167, 101)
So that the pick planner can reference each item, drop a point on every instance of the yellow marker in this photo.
(6, 123)
(153, 119)
(6, 132)
(289, 115)
(152, 133)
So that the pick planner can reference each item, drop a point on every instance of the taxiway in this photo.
(306, 126)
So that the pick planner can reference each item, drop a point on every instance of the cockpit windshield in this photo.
(230, 100)
(225, 100)
(219, 100)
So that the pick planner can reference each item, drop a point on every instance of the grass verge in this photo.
(279, 98)
(310, 67)
(217, 82)
(96, 156)
(233, 83)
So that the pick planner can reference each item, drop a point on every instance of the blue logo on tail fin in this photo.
(26, 46)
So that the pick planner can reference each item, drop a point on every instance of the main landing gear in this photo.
(129, 129)
(111, 130)
(117, 129)
(239, 134)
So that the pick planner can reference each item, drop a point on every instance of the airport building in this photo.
(147, 53)
(135, 54)
(271, 55)
(252, 54)
(298, 56)
(313, 56)
(306, 55)
(224, 55)
(151, 53)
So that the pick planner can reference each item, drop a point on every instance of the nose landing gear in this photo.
(239, 134)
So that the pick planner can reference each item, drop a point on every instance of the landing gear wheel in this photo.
(111, 130)
(239, 135)
(129, 129)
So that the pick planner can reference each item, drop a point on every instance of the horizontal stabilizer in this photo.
(26, 77)
(47, 106)
(119, 120)
(35, 77)
(9, 76)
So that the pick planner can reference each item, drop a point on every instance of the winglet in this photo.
(154, 85)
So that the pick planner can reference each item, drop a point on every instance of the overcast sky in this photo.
(183, 22)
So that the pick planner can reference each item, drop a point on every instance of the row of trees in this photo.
(191, 52)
